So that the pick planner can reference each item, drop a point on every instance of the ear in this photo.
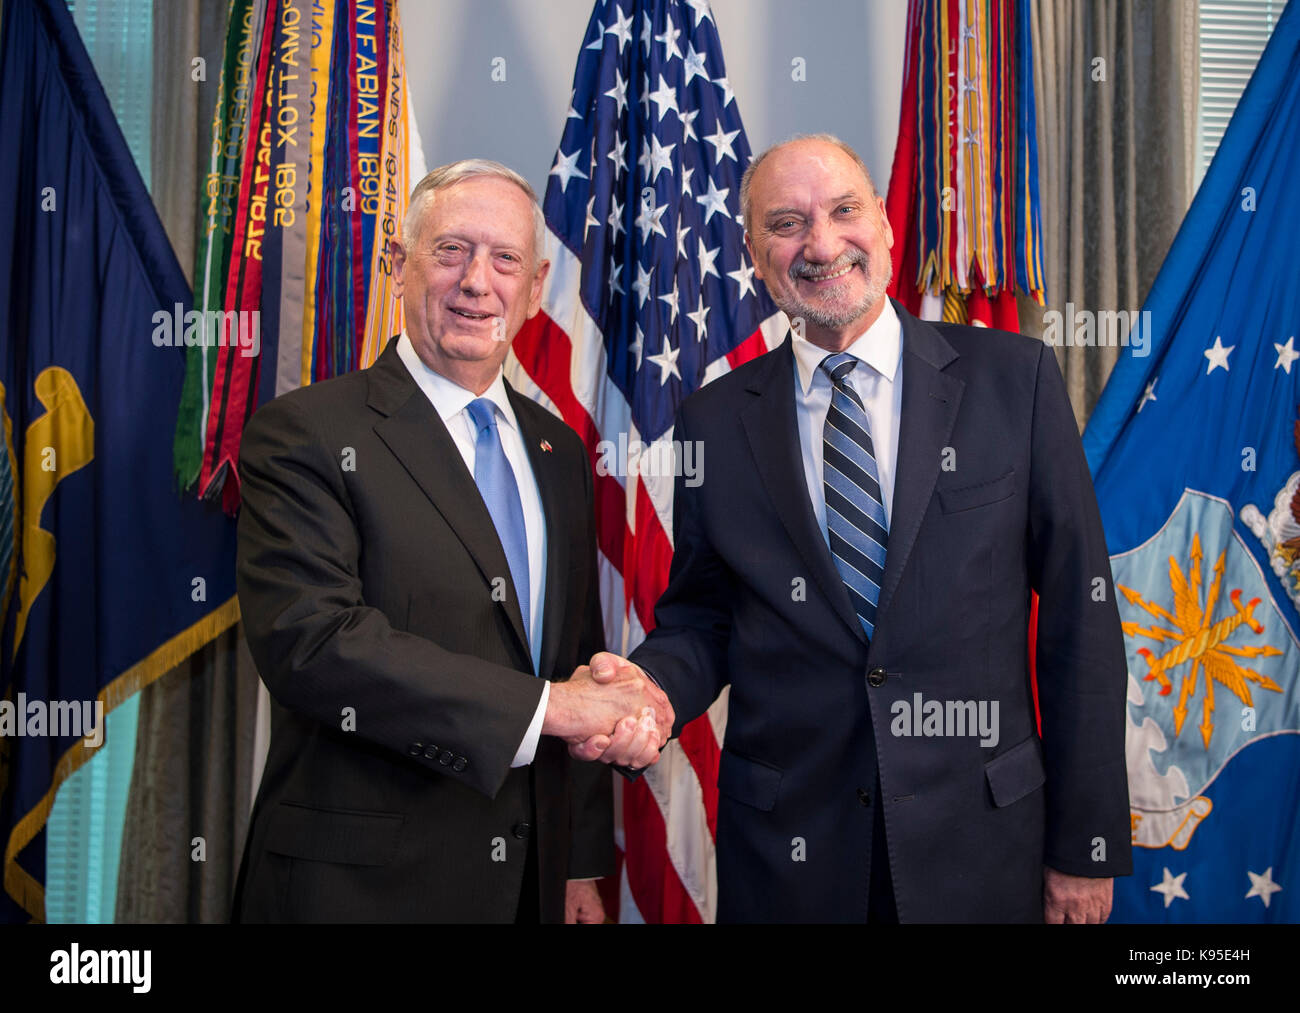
(398, 252)
(885, 228)
(749, 246)
(535, 292)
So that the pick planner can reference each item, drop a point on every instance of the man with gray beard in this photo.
(882, 495)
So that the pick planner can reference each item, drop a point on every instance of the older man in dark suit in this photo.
(857, 564)
(415, 550)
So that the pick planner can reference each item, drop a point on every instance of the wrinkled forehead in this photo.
(484, 209)
(807, 173)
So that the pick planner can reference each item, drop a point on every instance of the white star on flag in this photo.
(671, 299)
(642, 284)
(666, 361)
(714, 200)
(664, 98)
(621, 28)
(1218, 356)
(1172, 887)
(617, 155)
(701, 11)
(669, 39)
(637, 346)
(659, 158)
(1263, 886)
(744, 279)
(619, 92)
(566, 167)
(706, 258)
(688, 125)
(698, 316)
(646, 30)
(693, 65)
(616, 218)
(1286, 355)
(722, 143)
(648, 220)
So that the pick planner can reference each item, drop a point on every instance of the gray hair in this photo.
(746, 181)
(446, 176)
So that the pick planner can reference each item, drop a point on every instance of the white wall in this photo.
(853, 50)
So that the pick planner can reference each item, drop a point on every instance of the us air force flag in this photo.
(1195, 451)
(108, 578)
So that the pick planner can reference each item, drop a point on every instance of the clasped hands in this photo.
(609, 710)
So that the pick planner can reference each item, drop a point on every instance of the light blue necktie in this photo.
(496, 483)
(855, 512)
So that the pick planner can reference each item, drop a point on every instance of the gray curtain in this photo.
(181, 126)
(194, 758)
(191, 787)
(1116, 159)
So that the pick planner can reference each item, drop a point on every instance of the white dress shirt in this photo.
(878, 380)
(451, 402)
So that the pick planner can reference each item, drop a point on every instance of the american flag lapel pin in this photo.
(546, 446)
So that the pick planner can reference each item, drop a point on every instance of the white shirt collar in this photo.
(448, 397)
(880, 346)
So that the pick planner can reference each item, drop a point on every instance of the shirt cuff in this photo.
(528, 748)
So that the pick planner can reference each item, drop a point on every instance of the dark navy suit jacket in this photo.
(992, 498)
(373, 588)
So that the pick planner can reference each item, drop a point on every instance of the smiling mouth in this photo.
(472, 316)
(818, 278)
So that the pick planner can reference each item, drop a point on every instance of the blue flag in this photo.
(109, 578)
(1195, 451)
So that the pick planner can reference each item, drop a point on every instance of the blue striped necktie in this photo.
(855, 514)
(496, 483)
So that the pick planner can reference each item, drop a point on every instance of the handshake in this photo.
(610, 711)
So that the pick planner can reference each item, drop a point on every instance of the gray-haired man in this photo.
(415, 549)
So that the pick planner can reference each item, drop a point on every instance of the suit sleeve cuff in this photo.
(528, 748)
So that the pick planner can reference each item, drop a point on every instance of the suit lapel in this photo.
(418, 438)
(773, 431)
(930, 401)
(545, 471)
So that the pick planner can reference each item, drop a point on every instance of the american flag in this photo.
(650, 295)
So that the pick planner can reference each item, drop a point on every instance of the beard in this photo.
(834, 317)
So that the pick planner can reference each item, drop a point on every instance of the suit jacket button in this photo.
(459, 764)
(521, 830)
(864, 796)
(415, 748)
(445, 757)
(431, 752)
(876, 677)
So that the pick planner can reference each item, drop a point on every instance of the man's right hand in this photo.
(610, 711)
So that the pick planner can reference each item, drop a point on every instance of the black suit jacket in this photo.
(992, 498)
(402, 686)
